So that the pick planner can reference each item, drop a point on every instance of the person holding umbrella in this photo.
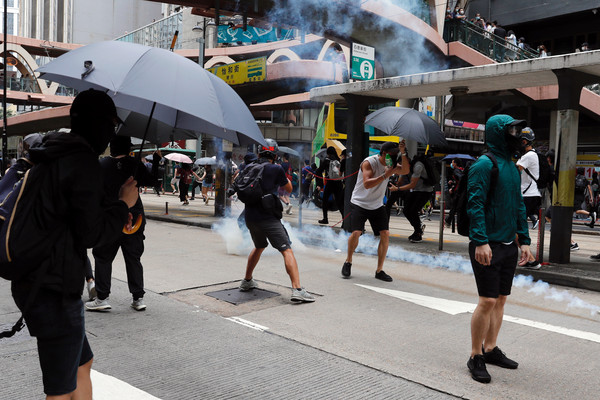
(367, 202)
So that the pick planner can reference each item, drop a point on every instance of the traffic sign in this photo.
(363, 62)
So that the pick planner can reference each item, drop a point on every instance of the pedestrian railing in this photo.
(484, 42)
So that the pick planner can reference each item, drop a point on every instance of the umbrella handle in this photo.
(135, 227)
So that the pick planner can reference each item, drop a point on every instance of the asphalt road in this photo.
(361, 339)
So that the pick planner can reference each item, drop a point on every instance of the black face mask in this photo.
(514, 144)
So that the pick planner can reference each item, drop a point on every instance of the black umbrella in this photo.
(408, 124)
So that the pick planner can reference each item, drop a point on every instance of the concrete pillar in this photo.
(357, 147)
(570, 84)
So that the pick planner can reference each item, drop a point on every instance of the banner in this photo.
(319, 139)
(252, 35)
(252, 70)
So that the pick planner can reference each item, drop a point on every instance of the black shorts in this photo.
(378, 219)
(271, 229)
(495, 279)
(58, 324)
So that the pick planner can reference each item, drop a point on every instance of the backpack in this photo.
(546, 178)
(581, 183)
(462, 195)
(334, 169)
(26, 234)
(433, 173)
(248, 183)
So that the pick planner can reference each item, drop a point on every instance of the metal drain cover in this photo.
(235, 296)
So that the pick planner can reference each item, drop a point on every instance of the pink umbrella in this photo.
(177, 157)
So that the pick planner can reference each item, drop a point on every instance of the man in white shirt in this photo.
(529, 166)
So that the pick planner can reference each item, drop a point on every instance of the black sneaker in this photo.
(416, 238)
(497, 357)
(346, 269)
(476, 365)
(383, 276)
(324, 221)
(596, 257)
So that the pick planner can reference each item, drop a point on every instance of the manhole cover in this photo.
(235, 296)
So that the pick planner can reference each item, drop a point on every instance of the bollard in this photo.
(166, 208)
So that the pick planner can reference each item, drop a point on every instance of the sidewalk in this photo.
(581, 272)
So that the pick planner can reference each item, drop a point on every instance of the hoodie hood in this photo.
(56, 145)
(495, 134)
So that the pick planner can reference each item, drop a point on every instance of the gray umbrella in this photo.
(160, 84)
(407, 123)
(287, 150)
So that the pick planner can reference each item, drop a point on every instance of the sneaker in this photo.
(416, 238)
(476, 365)
(288, 209)
(596, 257)
(138, 305)
(97, 305)
(346, 269)
(302, 296)
(423, 228)
(535, 224)
(574, 247)
(248, 285)
(324, 221)
(532, 265)
(381, 275)
(91, 289)
(497, 357)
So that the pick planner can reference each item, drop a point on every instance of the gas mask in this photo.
(513, 140)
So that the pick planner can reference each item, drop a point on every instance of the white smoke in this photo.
(238, 242)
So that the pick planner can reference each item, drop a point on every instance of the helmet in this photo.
(270, 151)
(527, 134)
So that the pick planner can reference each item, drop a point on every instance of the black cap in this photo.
(94, 104)
(518, 122)
(390, 147)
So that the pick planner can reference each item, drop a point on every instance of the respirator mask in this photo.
(513, 139)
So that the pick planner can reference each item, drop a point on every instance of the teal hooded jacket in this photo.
(504, 215)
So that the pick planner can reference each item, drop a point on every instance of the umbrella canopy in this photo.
(407, 123)
(287, 150)
(158, 132)
(158, 83)
(206, 161)
(460, 156)
(177, 157)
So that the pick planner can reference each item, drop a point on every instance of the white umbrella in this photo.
(158, 83)
(206, 161)
(178, 157)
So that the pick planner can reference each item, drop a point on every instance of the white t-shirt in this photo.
(530, 161)
(370, 199)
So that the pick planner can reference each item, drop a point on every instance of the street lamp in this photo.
(200, 40)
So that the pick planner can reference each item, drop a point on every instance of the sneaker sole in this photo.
(93, 294)
(102, 308)
(140, 308)
(302, 300)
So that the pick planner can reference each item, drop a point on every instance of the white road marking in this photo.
(248, 324)
(107, 387)
(453, 307)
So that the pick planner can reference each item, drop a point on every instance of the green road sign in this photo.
(363, 62)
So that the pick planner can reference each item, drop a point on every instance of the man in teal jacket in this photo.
(498, 225)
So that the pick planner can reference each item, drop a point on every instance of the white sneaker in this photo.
(288, 210)
(301, 295)
(138, 305)
(248, 285)
(91, 289)
(97, 305)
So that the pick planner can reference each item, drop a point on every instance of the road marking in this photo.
(107, 387)
(454, 307)
(248, 324)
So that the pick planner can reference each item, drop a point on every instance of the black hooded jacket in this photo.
(72, 199)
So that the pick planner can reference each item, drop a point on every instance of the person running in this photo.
(263, 220)
(498, 227)
(331, 166)
(367, 202)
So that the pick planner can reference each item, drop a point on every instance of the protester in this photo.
(116, 168)
(367, 202)
(453, 181)
(420, 194)
(496, 217)
(73, 200)
(186, 176)
(529, 166)
(284, 195)
(306, 176)
(263, 220)
(331, 167)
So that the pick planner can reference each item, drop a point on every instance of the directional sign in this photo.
(363, 62)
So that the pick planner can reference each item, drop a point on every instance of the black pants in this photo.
(414, 203)
(393, 198)
(183, 191)
(335, 188)
(132, 247)
(304, 191)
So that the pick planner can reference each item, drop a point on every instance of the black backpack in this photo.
(433, 173)
(546, 178)
(462, 195)
(27, 232)
(248, 183)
